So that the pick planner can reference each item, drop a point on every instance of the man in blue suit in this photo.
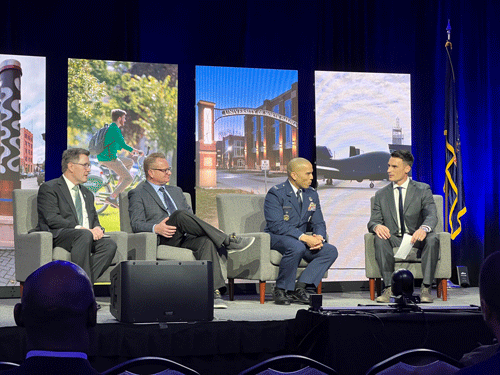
(292, 210)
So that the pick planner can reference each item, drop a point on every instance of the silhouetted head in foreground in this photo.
(57, 308)
(489, 292)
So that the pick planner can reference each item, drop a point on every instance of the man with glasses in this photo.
(157, 207)
(66, 209)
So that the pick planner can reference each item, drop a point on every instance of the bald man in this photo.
(58, 309)
(298, 231)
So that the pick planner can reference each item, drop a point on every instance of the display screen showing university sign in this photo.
(256, 112)
(244, 117)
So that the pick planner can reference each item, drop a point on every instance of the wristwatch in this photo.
(425, 228)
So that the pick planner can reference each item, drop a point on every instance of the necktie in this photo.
(401, 210)
(78, 205)
(299, 199)
(168, 201)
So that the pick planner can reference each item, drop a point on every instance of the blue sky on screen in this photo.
(239, 87)
(361, 110)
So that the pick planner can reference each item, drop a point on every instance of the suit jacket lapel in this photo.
(409, 196)
(152, 191)
(172, 191)
(392, 203)
(67, 196)
(293, 198)
(88, 205)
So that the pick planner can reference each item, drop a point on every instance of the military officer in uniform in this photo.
(298, 231)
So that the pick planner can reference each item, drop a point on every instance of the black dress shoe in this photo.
(300, 296)
(280, 297)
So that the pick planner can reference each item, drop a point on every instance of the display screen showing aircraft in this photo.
(370, 166)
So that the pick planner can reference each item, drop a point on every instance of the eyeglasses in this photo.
(86, 165)
(169, 169)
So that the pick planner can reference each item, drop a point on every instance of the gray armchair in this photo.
(144, 245)
(244, 215)
(33, 250)
(412, 263)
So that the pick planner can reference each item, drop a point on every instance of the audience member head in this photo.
(489, 292)
(157, 169)
(300, 173)
(57, 308)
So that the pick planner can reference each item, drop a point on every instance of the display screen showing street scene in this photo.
(132, 107)
(22, 146)
(360, 119)
(246, 132)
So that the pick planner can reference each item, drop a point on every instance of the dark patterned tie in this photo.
(299, 199)
(78, 204)
(168, 201)
(401, 211)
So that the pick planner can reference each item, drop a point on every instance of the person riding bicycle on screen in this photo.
(114, 142)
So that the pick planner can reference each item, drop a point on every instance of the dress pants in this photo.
(200, 237)
(80, 243)
(429, 249)
(293, 252)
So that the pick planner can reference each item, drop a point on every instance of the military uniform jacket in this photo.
(283, 216)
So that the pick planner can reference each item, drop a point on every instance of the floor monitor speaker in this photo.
(162, 291)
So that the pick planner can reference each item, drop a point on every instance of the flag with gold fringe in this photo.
(454, 186)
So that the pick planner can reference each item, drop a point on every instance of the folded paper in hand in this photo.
(404, 248)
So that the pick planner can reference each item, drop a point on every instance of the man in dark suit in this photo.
(66, 209)
(419, 219)
(157, 207)
(57, 309)
(292, 209)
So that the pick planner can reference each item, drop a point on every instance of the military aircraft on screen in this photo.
(370, 166)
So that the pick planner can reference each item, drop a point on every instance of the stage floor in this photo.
(248, 308)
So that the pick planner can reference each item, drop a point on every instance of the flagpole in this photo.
(446, 183)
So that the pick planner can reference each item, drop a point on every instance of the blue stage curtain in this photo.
(354, 35)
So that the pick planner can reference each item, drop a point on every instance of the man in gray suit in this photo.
(404, 206)
(157, 207)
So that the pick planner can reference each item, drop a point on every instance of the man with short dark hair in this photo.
(489, 293)
(66, 209)
(404, 206)
(114, 142)
(57, 309)
(292, 209)
(155, 206)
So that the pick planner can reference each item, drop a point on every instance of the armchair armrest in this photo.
(253, 263)
(32, 250)
(121, 239)
(371, 265)
(443, 268)
(142, 246)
